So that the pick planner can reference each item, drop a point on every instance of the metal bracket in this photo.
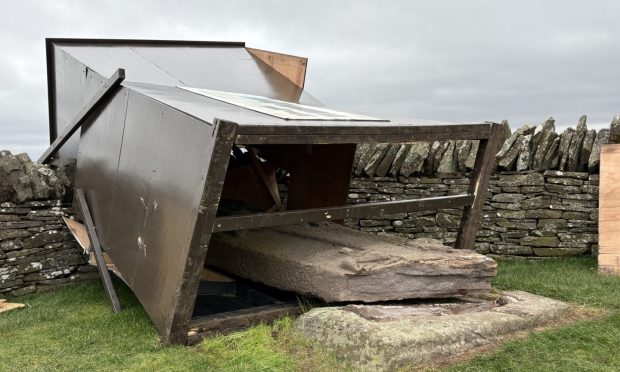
(96, 249)
(105, 92)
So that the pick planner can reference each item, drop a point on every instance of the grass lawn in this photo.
(74, 329)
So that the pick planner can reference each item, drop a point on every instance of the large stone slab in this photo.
(386, 338)
(337, 264)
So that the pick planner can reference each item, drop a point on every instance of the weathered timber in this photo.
(485, 162)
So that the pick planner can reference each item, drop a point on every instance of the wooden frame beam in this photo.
(338, 213)
(483, 167)
(102, 95)
(95, 246)
(225, 133)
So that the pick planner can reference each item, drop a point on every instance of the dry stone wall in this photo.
(542, 199)
(37, 251)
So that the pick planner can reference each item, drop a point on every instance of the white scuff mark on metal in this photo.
(154, 205)
(142, 245)
(143, 203)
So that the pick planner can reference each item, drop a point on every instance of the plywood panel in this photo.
(292, 67)
(609, 210)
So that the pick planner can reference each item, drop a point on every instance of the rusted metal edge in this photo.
(95, 247)
(102, 95)
(203, 327)
(339, 213)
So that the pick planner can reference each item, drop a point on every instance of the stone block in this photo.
(540, 202)
(518, 224)
(508, 197)
(13, 234)
(543, 213)
(565, 181)
(511, 214)
(578, 238)
(511, 249)
(448, 220)
(339, 264)
(373, 223)
(396, 337)
(552, 224)
(11, 245)
(540, 241)
(529, 179)
(562, 189)
(556, 252)
(47, 237)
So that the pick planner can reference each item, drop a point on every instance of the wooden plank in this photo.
(320, 127)
(268, 178)
(291, 67)
(96, 248)
(319, 175)
(201, 328)
(483, 167)
(79, 233)
(609, 204)
(8, 306)
(104, 93)
(337, 138)
(339, 213)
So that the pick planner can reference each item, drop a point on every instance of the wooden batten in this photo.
(292, 67)
(609, 210)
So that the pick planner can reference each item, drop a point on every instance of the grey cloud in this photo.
(444, 60)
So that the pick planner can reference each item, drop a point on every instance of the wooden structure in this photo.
(609, 210)
(152, 157)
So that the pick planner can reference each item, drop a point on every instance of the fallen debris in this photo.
(8, 306)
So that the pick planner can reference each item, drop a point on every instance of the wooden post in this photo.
(609, 204)
(483, 167)
(102, 95)
(96, 248)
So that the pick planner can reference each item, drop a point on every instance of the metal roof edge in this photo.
(51, 84)
(89, 41)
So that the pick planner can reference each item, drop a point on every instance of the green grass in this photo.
(588, 345)
(73, 329)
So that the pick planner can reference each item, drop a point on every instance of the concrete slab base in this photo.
(387, 337)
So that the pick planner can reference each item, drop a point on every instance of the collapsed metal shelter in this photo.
(151, 148)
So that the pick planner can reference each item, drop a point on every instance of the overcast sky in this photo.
(443, 60)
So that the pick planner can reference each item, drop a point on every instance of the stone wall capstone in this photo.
(37, 251)
(542, 199)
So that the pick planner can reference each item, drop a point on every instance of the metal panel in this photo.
(334, 213)
(156, 194)
(101, 143)
(74, 85)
